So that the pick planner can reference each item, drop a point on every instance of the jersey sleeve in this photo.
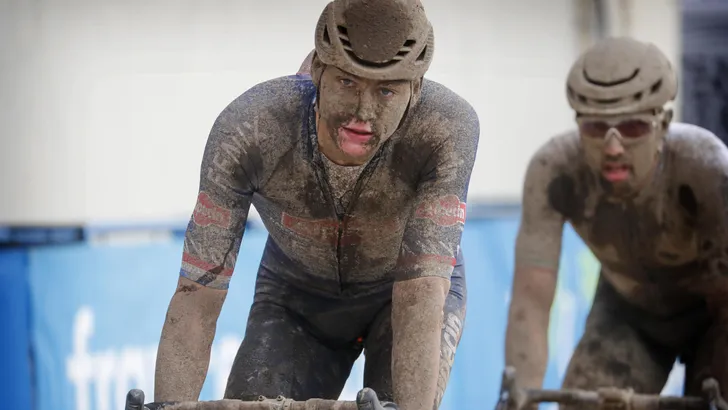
(705, 193)
(434, 229)
(538, 242)
(227, 178)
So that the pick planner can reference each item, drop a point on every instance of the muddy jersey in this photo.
(665, 249)
(403, 217)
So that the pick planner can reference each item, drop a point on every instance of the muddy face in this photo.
(356, 115)
(622, 150)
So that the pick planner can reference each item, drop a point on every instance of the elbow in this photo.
(416, 302)
(532, 297)
(195, 305)
(420, 292)
(534, 287)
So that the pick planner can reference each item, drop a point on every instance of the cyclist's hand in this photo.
(135, 401)
(158, 406)
(367, 399)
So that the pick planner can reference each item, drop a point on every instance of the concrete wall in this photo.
(106, 105)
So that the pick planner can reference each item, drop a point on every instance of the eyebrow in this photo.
(395, 82)
(342, 73)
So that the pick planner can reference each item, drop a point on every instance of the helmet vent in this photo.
(608, 101)
(422, 55)
(344, 37)
(611, 83)
(401, 54)
(656, 87)
(327, 39)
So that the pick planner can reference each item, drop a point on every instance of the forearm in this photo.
(527, 342)
(183, 356)
(182, 362)
(417, 310)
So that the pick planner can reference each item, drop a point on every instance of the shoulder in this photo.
(696, 158)
(555, 176)
(276, 102)
(442, 114)
(559, 154)
(695, 152)
(438, 98)
(694, 146)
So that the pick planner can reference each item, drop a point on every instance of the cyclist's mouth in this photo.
(615, 172)
(355, 138)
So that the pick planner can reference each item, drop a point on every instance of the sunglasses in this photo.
(629, 128)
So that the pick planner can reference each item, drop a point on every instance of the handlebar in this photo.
(514, 398)
(366, 400)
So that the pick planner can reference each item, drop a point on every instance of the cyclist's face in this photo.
(622, 149)
(356, 115)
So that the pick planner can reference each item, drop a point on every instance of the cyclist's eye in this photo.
(634, 128)
(346, 82)
(594, 129)
(386, 92)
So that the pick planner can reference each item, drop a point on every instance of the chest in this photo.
(306, 200)
(656, 233)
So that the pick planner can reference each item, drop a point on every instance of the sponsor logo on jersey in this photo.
(207, 212)
(353, 230)
(443, 211)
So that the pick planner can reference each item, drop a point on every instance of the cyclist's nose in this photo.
(613, 145)
(367, 107)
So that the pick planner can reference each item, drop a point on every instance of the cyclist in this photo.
(360, 174)
(649, 197)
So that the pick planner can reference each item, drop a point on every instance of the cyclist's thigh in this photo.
(278, 356)
(378, 344)
(612, 353)
(709, 359)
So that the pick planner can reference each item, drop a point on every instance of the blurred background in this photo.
(105, 107)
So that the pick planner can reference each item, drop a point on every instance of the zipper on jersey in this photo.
(365, 173)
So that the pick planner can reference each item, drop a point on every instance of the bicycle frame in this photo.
(513, 397)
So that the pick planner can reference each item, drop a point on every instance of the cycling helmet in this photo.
(375, 39)
(621, 75)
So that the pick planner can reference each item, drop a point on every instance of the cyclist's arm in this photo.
(427, 257)
(538, 248)
(703, 192)
(211, 245)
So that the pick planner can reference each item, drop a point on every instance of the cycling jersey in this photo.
(404, 217)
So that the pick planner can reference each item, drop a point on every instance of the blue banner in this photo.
(15, 352)
(98, 312)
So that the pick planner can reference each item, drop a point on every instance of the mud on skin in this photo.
(403, 221)
(321, 330)
(662, 254)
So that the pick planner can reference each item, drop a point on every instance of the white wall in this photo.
(657, 21)
(106, 105)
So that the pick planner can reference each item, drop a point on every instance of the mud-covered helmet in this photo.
(621, 75)
(375, 39)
